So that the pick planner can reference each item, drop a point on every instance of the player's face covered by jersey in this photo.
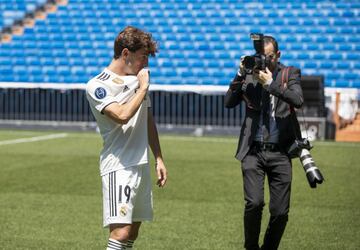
(135, 61)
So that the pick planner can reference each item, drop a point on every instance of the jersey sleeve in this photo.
(147, 100)
(99, 95)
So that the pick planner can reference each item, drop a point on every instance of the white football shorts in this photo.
(127, 196)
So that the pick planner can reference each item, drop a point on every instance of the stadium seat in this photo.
(310, 65)
(335, 56)
(356, 83)
(326, 65)
(356, 65)
(317, 56)
(343, 65)
(351, 76)
(303, 56)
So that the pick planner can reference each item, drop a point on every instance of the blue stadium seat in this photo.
(185, 73)
(49, 70)
(310, 65)
(181, 63)
(20, 70)
(166, 63)
(61, 61)
(318, 56)
(351, 76)
(303, 56)
(59, 52)
(36, 78)
(356, 65)
(22, 77)
(343, 65)
(35, 70)
(6, 77)
(32, 61)
(52, 78)
(354, 22)
(332, 76)
(329, 46)
(326, 65)
(340, 83)
(345, 47)
(336, 56)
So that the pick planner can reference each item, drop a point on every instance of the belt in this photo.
(265, 146)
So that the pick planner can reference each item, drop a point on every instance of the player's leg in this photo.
(123, 236)
(134, 232)
(120, 189)
(143, 205)
(119, 235)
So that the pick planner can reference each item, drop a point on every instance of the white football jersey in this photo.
(124, 145)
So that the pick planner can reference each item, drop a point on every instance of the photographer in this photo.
(270, 91)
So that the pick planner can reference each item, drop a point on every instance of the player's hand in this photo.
(161, 173)
(265, 77)
(143, 77)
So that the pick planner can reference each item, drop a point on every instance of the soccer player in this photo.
(119, 100)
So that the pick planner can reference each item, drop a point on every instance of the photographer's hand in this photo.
(265, 77)
(241, 70)
(239, 79)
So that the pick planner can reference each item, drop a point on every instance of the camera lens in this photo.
(313, 174)
(249, 62)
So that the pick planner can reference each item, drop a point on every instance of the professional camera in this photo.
(258, 61)
(302, 148)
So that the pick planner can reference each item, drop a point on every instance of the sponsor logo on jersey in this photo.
(103, 76)
(118, 80)
(100, 93)
(123, 210)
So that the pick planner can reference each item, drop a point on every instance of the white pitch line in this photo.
(33, 139)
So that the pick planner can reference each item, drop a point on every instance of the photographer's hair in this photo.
(272, 40)
(134, 39)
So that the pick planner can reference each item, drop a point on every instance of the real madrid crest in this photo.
(123, 210)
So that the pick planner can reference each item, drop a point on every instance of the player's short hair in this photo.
(272, 40)
(134, 39)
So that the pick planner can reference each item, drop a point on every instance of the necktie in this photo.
(266, 114)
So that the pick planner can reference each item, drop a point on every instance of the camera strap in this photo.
(293, 117)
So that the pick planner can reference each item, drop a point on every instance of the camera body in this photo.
(298, 145)
(258, 61)
(301, 148)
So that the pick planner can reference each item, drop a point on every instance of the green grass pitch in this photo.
(50, 196)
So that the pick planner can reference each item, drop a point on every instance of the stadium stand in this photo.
(16, 10)
(200, 41)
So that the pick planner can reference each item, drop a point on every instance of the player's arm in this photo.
(122, 113)
(156, 149)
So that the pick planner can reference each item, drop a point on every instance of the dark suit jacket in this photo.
(285, 96)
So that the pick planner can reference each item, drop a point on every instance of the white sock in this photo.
(116, 245)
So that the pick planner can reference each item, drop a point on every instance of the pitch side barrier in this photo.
(194, 109)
